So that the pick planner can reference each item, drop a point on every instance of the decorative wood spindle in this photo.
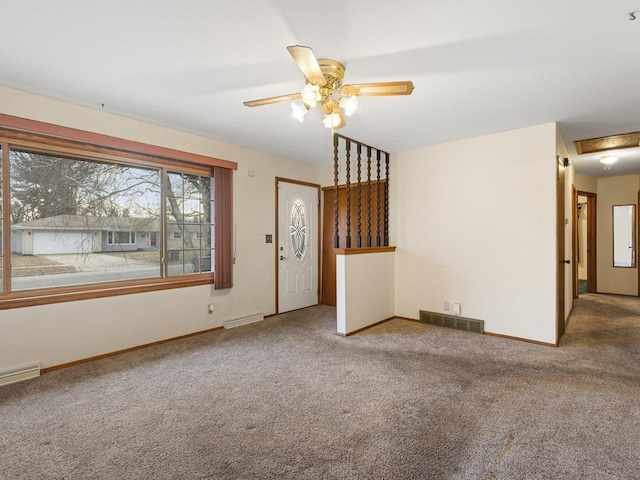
(336, 236)
(368, 196)
(348, 148)
(359, 192)
(344, 210)
(386, 200)
(378, 236)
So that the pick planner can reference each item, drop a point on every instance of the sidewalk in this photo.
(94, 262)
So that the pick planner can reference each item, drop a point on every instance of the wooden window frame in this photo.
(46, 138)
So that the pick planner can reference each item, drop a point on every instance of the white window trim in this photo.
(111, 234)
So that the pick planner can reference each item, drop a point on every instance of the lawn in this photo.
(22, 261)
(26, 265)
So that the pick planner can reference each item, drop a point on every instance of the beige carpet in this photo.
(287, 398)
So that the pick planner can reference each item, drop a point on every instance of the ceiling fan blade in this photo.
(308, 63)
(378, 89)
(270, 100)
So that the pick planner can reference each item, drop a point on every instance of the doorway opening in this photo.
(586, 251)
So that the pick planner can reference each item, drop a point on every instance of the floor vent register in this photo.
(452, 321)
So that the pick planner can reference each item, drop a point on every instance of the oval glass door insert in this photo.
(298, 229)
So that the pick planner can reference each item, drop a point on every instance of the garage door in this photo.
(62, 242)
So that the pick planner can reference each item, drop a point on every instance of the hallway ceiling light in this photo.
(608, 159)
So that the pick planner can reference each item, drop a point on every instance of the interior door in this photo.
(297, 246)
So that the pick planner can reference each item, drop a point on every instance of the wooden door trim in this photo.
(328, 252)
(277, 236)
(560, 249)
(574, 240)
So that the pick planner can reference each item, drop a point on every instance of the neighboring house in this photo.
(84, 234)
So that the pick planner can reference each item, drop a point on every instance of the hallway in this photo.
(608, 323)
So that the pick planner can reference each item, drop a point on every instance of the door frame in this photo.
(560, 249)
(574, 240)
(277, 238)
(328, 277)
(592, 248)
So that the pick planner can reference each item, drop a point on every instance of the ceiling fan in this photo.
(324, 87)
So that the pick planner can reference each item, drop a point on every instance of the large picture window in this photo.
(80, 221)
(76, 221)
(121, 238)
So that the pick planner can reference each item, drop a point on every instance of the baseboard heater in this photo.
(19, 374)
(243, 320)
(452, 321)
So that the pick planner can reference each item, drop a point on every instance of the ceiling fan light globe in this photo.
(332, 120)
(310, 95)
(349, 104)
(298, 111)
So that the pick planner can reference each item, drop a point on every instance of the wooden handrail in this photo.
(360, 251)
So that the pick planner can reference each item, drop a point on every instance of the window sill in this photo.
(85, 292)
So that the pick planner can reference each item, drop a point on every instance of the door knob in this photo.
(567, 261)
(283, 257)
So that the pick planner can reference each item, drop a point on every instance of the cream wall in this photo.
(61, 333)
(621, 190)
(364, 290)
(460, 218)
(586, 183)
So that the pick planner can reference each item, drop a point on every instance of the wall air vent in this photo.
(19, 374)
(243, 320)
(452, 321)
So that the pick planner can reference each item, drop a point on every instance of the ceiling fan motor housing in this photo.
(333, 72)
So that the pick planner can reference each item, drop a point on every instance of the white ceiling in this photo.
(478, 67)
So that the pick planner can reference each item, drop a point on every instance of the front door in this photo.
(297, 245)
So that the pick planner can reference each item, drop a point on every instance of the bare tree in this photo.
(45, 186)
